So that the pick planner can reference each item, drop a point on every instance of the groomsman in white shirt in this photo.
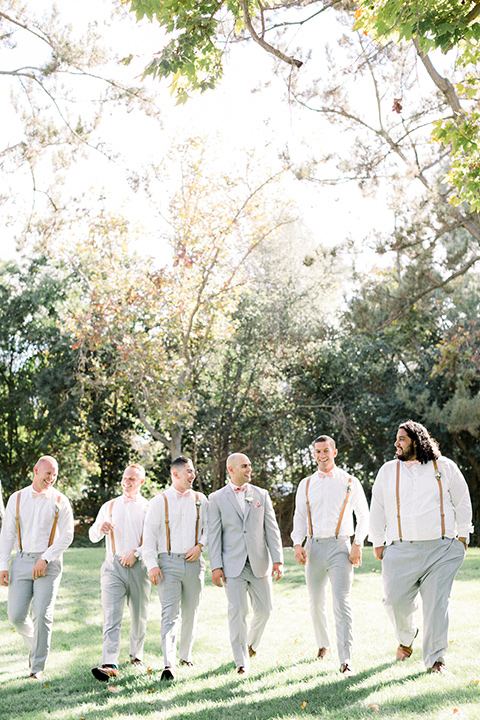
(324, 507)
(123, 577)
(420, 522)
(38, 521)
(175, 535)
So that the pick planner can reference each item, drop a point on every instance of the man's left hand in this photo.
(39, 569)
(128, 559)
(356, 555)
(193, 554)
(277, 570)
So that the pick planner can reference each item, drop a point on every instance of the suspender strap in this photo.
(110, 516)
(55, 520)
(438, 476)
(167, 525)
(309, 514)
(342, 512)
(398, 502)
(17, 519)
(197, 523)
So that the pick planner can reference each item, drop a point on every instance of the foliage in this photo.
(39, 404)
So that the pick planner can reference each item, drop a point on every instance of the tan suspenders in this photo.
(54, 526)
(438, 478)
(167, 522)
(110, 519)
(342, 511)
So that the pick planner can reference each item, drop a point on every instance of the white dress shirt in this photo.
(182, 516)
(128, 518)
(326, 496)
(419, 503)
(37, 515)
(239, 495)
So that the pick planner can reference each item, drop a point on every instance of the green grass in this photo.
(286, 682)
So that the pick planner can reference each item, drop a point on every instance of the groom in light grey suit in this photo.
(244, 541)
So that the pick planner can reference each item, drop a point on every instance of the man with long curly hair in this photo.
(420, 521)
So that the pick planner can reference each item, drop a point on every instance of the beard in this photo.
(406, 454)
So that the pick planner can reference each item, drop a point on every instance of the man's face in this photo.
(131, 481)
(325, 455)
(240, 469)
(405, 447)
(44, 475)
(183, 476)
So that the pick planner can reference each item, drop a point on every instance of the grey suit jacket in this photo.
(232, 538)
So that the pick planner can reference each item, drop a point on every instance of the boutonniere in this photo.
(198, 502)
(438, 475)
(257, 505)
(249, 499)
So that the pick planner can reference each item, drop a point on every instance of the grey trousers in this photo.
(41, 593)
(180, 593)
(238, 589)
(426, 568)
(118, 584)
(328, 559)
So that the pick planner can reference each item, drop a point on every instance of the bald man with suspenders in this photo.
(39, 523)
(123, 575)
(175, 535)
(324, 505)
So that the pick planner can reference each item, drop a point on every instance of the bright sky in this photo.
(248, 111)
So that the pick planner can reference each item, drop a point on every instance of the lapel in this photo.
(233, 501)
(248, 503)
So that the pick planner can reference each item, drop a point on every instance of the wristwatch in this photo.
(136, 553)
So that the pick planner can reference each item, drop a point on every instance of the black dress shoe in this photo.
(167, 674)
(104, 673)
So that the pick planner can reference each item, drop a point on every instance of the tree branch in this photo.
(260, 41)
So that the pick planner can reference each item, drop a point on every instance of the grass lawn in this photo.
(285, 683)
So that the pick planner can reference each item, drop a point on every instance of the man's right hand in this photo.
(218, 578)
(300, 554)
(4, 577)
(106, 528)
(154, 575)
(378, 552)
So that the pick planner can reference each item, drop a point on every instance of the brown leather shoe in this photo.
(322, 652)
(241, 670)
(404, 652)
(438, 667)
(36, 676)
(188, 663)
(346, 670)
(104, 673)
(136, 661)
(251, 651)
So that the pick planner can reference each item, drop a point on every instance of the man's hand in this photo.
(463, 540)
(154, 575)
(106, 528)
(4, 577)
(356, 555)
(39, 569)
(218, 578)
(193, 554)
(300, 554)
(128, 559)
(378, 552)
(277, 570)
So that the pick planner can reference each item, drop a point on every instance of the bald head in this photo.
(45, 473)
(239, 468)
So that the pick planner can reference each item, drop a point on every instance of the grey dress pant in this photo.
(180, 593)
(41, 593)
(426, 568)
(118, 584)
(328, 559)
(238, 589)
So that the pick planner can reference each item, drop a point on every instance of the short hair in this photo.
(426, 446)
(180, 460)
(327, 439)
(137, 467)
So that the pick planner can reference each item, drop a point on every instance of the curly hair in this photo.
(425, 445)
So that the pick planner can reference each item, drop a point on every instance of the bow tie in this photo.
(240, 489)
(185, 494)
(409, 463)
(36, 494)
(129, 499)
(325, 474)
